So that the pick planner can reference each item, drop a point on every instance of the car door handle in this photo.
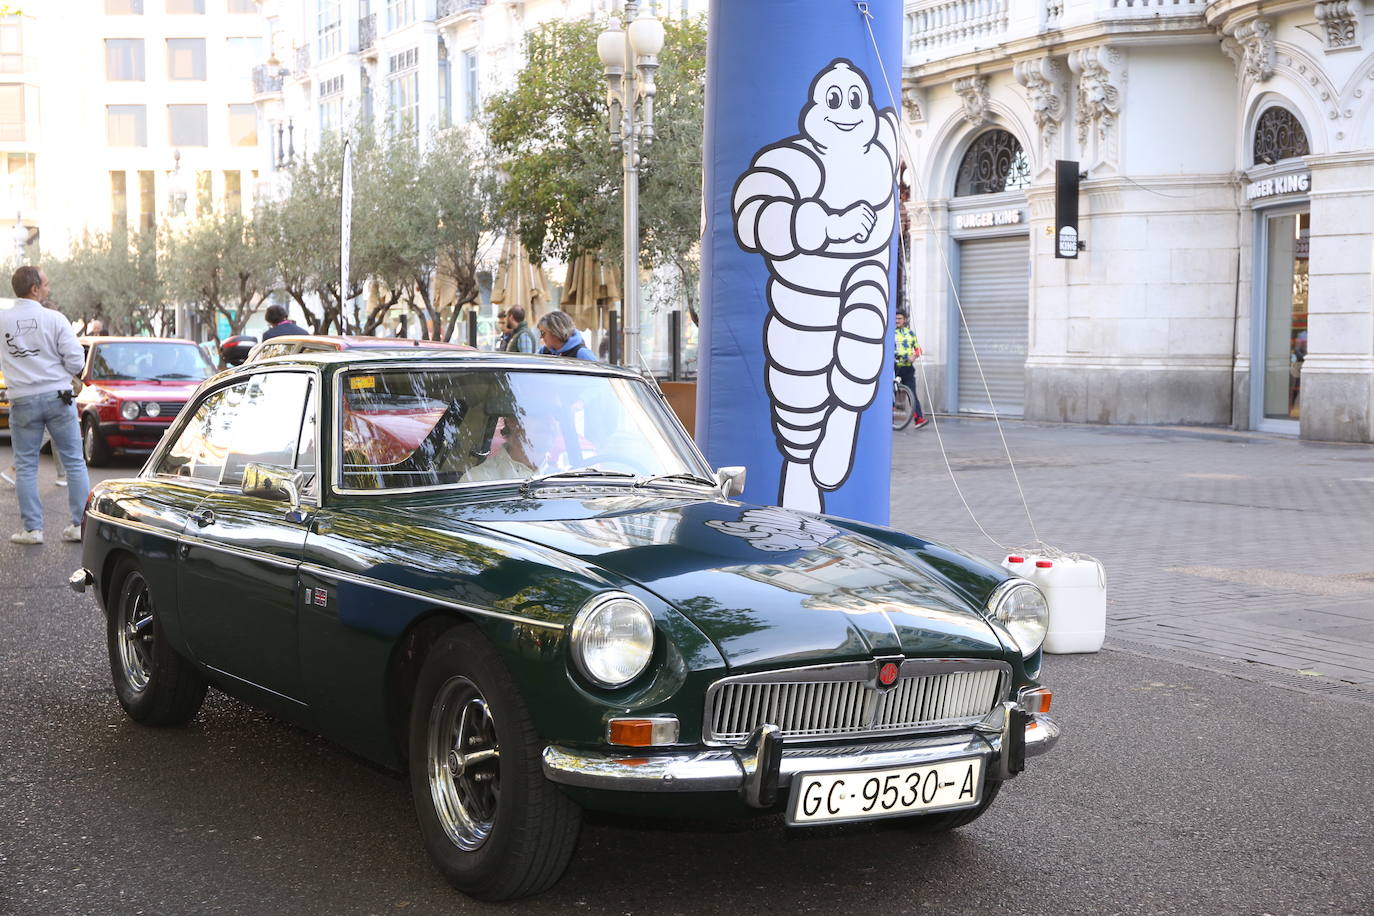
(184, 550)
(203, 518)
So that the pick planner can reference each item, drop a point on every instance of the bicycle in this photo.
(903, 404)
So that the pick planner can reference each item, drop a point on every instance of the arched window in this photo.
(1279, 135)
(995, 162)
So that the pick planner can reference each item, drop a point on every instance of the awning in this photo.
(518, 280)
(591, 287)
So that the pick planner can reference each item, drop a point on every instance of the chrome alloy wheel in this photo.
(136, 632)
(464, 763)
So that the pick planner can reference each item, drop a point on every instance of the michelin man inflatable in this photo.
(821, 207)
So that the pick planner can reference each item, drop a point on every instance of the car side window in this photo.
(305, 450)
(268, 425)
(200, 449)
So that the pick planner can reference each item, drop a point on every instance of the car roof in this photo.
(361, 342)
(439, 358)
(87, 341)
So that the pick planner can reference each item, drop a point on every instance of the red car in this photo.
(309, 343)
(133, 388)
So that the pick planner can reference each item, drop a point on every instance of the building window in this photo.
(329, 21)
(243, 6)
(11, 46)
(403, 91)
(994, 163)
(194, 7)
(123, 8)
(126, 125)
(399, 13)
(233, 192)
(124, 59)
(20, 181)
(331, 104)
(244, 54)
(119, 201)
(186, 58)
(469, 85)
(188, 125)
(1279, 135)
(147, 202)
(243, 125)
(445, 89)
(12, 112)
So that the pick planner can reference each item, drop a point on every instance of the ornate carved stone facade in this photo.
(1252, 47)
(1341, 20)
(1043, 78)
(1101, 74)
(973, 93)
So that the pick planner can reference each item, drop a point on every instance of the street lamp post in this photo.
(178, 192)
(630, 57)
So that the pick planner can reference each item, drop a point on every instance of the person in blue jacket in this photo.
(561, 338)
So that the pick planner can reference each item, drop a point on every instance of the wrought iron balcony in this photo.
(367, 32)
(266, 80)
(447, 8)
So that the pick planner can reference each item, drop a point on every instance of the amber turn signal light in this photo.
(653, 732)
(1035, 700)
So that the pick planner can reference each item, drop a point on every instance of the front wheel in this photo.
(494, 826)
(97, 452)
(154, 684)
(903, 406)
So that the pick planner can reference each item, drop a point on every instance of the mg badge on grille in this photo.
(887, 674)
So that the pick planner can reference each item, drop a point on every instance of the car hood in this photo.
(768, 586)
(147, 391)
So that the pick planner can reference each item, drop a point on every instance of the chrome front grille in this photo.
(830, 701)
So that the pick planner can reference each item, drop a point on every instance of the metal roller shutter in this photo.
(994, 290)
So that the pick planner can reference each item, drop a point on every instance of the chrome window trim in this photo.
(198, 397)
(585, 367)
(866, 670)
(324, 572)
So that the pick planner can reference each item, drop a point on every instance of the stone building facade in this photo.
(1226, 153)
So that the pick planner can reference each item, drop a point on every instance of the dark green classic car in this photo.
(517, 578)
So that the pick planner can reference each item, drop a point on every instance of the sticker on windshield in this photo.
(359, 382)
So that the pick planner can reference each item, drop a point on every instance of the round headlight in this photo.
(152, 409)
(1022, 609)
(613, 639)
(129, 410)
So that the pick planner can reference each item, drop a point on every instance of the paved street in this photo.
(1208, 763)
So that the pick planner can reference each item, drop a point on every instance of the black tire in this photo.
(93, 445)
(494, 826)
(950, 820)
(154, 684)
(903, 406)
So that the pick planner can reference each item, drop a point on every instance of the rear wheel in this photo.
(97, 452)
(903, 406)
(154, 684)
(492, 823)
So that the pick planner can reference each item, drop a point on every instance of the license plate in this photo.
(859, 795)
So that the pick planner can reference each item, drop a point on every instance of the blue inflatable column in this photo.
(799, 257)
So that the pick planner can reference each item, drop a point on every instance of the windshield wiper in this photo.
(174, 375)
(682, 477)
(589, 471)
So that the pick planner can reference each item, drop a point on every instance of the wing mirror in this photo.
(731, 481)
(266, 481)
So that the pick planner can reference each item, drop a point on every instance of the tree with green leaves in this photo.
(113, 277)
(562, 179)
(216, 266)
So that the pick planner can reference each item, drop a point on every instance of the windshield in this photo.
(436, 427)
(129, 360)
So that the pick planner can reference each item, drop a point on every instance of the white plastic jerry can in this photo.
(1076, 591)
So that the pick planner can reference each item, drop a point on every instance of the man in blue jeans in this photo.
(40, 355)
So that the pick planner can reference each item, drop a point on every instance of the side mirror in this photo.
(267, 481)
(731, 481)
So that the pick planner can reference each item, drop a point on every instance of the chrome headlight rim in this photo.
(130, 410)
(582, 624)
(998, 603)
(152, 409)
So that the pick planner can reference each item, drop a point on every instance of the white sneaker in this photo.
(7, 476)
(61, 481)
(71, 533)
(27, 537)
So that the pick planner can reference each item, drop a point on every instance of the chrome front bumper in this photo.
(759, 769)
(80, 580)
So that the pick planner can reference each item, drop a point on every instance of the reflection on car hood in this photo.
(172, 390)
(768, 586)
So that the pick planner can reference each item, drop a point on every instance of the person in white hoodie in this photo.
(40, 355)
